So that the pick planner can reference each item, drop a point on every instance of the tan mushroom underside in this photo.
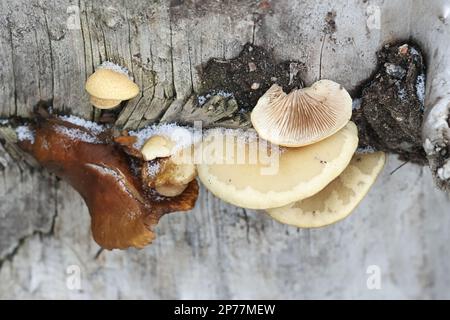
(170, 190)
(111, 85)
(337, 200)
(301, 172)
(303, 116)
(104, 103)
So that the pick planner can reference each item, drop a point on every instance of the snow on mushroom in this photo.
(303, 116)
(109, 85)
(338, 199)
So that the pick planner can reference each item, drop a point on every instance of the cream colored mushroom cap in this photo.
(293, 173)
(157, 147)
(111, 85)
(303, 116)
(337, 200)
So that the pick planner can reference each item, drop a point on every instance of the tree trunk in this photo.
(49, 48)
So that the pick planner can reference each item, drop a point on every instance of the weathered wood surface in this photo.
(216, 250)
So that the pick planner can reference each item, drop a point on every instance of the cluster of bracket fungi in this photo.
(130, 180)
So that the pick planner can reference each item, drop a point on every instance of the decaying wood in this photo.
(217, 250)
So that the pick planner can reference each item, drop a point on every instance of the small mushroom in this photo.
(157, 147)
(109, 87)
(337, 200)
(300, 172)
(167, 177)
(304, 116)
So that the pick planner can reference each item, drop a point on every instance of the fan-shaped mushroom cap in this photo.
(337, 200)
(157, 147)
(303, 116)
(108, 84)
(301, 172)
(104, 103)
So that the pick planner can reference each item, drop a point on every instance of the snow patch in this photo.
(4, 122)
(153, 168)
(420, 88)
(89, 125)
(366, 149)
(24, 133)
(114, 67)
(203, 98)
(77, 134)
(181, 136)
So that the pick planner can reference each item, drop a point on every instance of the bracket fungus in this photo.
(338, 199)
(109, 85)
(299, 172)
(304, 116)
(122, 211)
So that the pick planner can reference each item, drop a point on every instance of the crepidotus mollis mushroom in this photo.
(109, 85)
(122, 211)
(338, 199)
(304, 116)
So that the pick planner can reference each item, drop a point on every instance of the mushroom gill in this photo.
(304, 116)
(122, 211)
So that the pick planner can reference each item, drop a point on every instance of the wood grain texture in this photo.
(216, 250)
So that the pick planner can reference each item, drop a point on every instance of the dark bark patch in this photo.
(390, 113)
(249, 75)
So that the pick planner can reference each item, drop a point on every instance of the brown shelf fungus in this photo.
(122, 212)
(277, 178)
(108, 87)
(337, 200)
(304, 116)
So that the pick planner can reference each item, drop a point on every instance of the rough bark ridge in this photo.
(216, 251)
